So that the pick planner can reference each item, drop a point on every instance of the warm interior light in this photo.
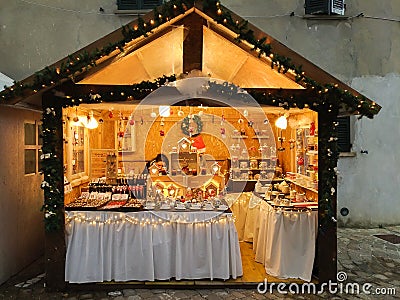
(281, 122)
(89, 122)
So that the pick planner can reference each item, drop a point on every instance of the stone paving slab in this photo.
(364, 259)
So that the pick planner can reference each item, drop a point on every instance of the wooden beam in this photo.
(326, 252)
(193, 42)
(55, 248)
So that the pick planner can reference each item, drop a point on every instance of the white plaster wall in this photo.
(35, 34)
(21, 222)
(369, 183)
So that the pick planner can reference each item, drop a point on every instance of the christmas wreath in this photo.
(189, 128)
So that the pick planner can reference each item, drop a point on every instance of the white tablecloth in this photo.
(285, 242)
(105, 246)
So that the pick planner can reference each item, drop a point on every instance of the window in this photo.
(343, 132)
(32, 148)
(324, 7)
(137, 4)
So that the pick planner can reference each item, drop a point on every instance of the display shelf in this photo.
(261, 137)
(301, 185)
(312, 152)
(239, 136)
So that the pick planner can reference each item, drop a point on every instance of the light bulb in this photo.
(281, 122)
(91, 122)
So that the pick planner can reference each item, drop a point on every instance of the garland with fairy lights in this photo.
(74, 65)
(326, 99)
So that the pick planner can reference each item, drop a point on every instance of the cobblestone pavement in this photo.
(364, 259)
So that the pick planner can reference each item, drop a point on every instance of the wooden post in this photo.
(326, 252)
(55, 248)
(193, 42)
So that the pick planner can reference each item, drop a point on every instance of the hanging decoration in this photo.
(223, 132)
(187, 125)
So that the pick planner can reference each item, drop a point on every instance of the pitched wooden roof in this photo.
(198, 17)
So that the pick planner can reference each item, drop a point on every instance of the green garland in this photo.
(185, 125)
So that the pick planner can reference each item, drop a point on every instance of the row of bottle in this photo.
(135, 187)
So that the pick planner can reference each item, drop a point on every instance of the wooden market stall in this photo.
(286, 153)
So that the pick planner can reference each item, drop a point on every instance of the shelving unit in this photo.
(306, 152)
(242, 177)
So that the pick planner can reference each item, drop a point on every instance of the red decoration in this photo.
(162, 133)
(132, 122)
(312, 128)
(199, 144)
(110, 114)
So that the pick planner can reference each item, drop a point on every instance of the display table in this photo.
(284, 241)
(150, 245)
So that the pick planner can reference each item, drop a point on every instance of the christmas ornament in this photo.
(162, 133)
(312, 128)
(223, 132)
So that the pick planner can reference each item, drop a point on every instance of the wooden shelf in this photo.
(302, 185)
(261, 137)
(239, 136)
(312, 152)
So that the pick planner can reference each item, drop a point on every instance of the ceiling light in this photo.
(281, 122)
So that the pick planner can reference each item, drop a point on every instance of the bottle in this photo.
(258, 187)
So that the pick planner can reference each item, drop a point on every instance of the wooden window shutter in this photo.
(128, 4)
(317, 7)
(149, 4)
(324, 7)
(343, 133)
(137, 4)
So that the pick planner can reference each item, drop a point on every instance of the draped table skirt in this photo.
(285, 241)
(150, 245)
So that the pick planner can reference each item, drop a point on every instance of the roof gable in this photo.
(222, 21)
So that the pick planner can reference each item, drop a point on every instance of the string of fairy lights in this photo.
(154, 220)
(148, 218)
(326, 99)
